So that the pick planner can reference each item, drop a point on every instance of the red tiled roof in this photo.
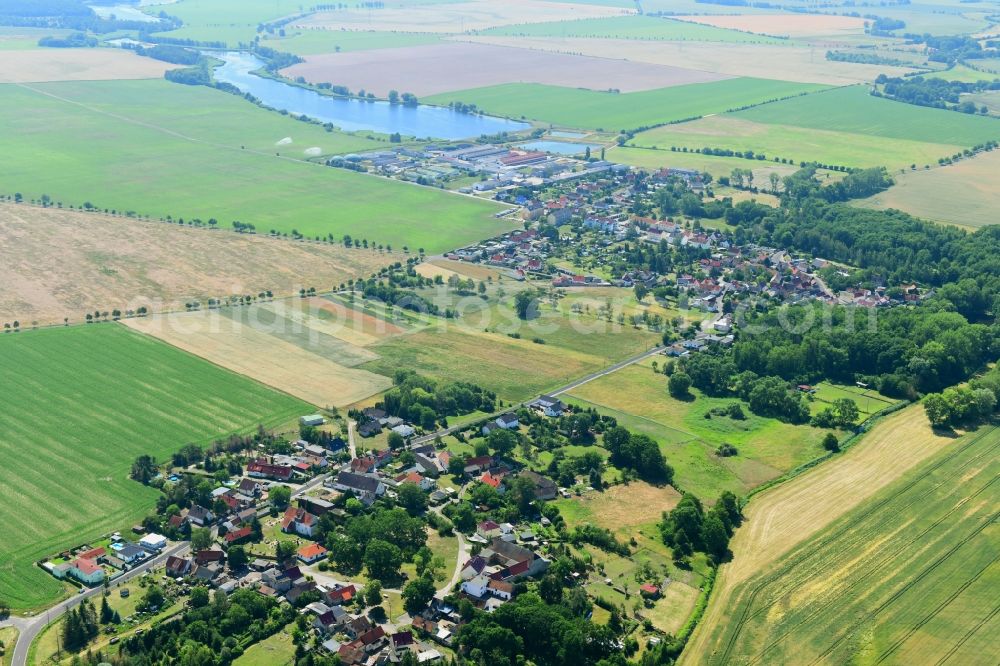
(311, 551)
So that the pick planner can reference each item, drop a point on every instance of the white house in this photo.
(153, 542)
(476, 587)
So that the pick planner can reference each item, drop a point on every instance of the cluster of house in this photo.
(523, 252)
(367, 479)
(375, 419)
(488, 578)
(92, 566)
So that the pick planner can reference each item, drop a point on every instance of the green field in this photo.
(853, 110)
(79, 404)
(587, 109)
(164, 149)
(638, 398)
(844, 126)
(908, 577)
(312, 42)
(632, 27)
(798, 144)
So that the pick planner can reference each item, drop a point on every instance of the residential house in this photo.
(153, 543)
(200, 516)
(545, 488)
(550, 406)
(365, 487)
(86, 571)
(263, 469)
(478, 464)
(311, 553)
(178, 567)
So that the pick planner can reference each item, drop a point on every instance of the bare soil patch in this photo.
(39, 65)
(457, 17)
(786, 25)
(438, 68)
(779, 519)
(269, 359)
(786, 63)
(58, 263)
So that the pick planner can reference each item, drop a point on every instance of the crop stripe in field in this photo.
(937, 609)
(746, 615)
(926, 571)
(872, 570)
(969, 634)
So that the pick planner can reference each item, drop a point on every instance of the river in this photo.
(351, 114)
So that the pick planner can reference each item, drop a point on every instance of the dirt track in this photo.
(779, 519)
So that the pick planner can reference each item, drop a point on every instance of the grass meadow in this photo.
(79, 404)
(908, 577)
(588, 109)
(632, 27)
(177, 150)
(638, 398)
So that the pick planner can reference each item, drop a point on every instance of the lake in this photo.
(563, 134)
(351, 114)
(559, 147)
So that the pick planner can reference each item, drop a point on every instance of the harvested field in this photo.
(909, 577)
(441, 68)
(311, 42)
(787, 25)
(784, 517)
(466, 269)
(456, 17)
(39, 65)
(932, 194)
(58, 263)
(787, 63)
(632, 27)
(276, 344)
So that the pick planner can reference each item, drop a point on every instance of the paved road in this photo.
(30, 627)
(423, 439)
(464, 553)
